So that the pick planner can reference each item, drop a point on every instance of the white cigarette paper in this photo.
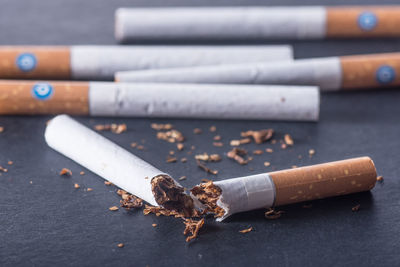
(323, 72)
(101, 62)
(102, 157)
(220, 23)
(204, 101)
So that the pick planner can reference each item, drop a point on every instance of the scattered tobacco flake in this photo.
(134, 144)
(182, 178)
(10, 162)
(192, 227)
(258, 152)
(269, 150)
(311, 152)
(244, 231)
(171, 152)
(154, 225)
(66, 172)
(114, 128)
(218, 144)
(272, 214)
(140, 147)
(217, 138)
(379, 178)
(197, 131)
(237, 154)
(213, 129)
(129, 201)
(108, 183)
(120, 245)
(288, 140)
(205, 168)
(1, 129)
(76, 186)
(267, 164)
(3, 169)
(171, 136)
(180, 146)
(206, 157)
(356, 208)
(283, 146)
(240, 142)
(183, 160)
(208, 194)
(260, 136)
(113, 208)
(89, 189)
(160, 211)
(159, 126)
(171, 159)
(82, 173)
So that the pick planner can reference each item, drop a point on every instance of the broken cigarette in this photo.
(331, 73)
(101, 62)
(220, 23)
(116, 165)
(160, 100)
(224, 198)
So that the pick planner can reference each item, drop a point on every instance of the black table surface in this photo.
(45, 221)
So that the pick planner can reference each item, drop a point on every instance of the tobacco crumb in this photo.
(76, 186)
(258, 152)
(113, 208)
(213, 129)
(208, 194)
(311, 152)
(171, 159)
(197, 131)
(267, 164)
(192, 227)
(66, 172)
(218, 144)
(205, 168)
(82, 173)
(154, 225)
(182, 178)
(171, 152)
(10, 162)
(240, 142)
(114, 128)
(217, 138)
(1, 129)
(180, 146)
(246, 230)
(140, 147)
(356, 208)
(171, 136)
(129, 201)
(237, 154)
(120, 245)
(89, 189)
(288, 140)
(260, 136)
(134, 144)
(160, 211)
(107, 183)
(3, 169)
(379, 178)
(283, 146)
(206, 157)
(269, 150)
(272, 214)
(159, 127)
(183, 160)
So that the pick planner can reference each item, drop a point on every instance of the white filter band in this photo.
(323, 72)
(101, 156)
(101, 62)
(218, 23)
(204, 101)
(245, 194)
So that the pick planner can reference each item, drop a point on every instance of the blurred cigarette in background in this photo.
(101, 62)
(288, 186)
(160, 100)
(219, 23)
(332, 73)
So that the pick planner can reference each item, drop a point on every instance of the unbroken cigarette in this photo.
(116, 164)
(160, 100)
(219, 23)
(101, 62)
(227, 197)
(331, 73)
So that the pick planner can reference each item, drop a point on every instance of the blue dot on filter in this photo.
(26, 62)
(385, 74)
(367, 21)
(42, 91)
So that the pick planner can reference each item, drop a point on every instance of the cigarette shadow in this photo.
(313, 210)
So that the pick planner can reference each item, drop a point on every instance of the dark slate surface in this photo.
(48, 222)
